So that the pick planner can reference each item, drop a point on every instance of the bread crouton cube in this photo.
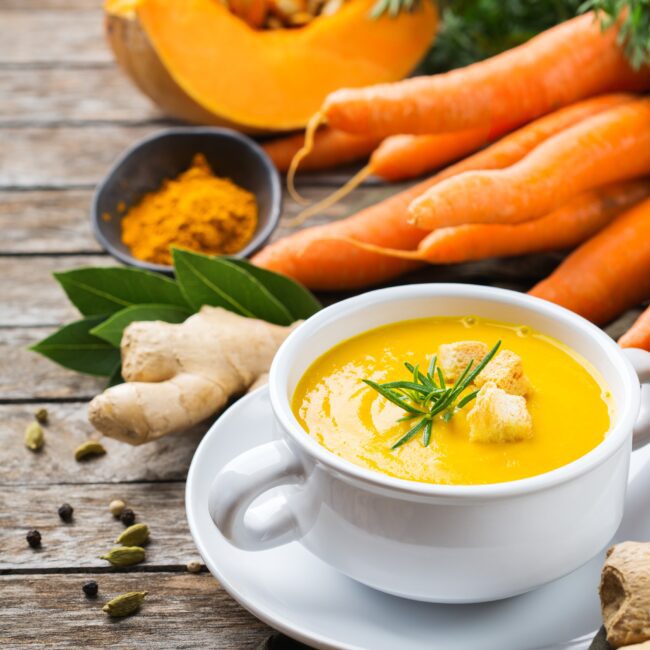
(454, 357)
(507, 372)
(498, 416)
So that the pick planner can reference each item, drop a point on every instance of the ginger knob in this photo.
(625, 594)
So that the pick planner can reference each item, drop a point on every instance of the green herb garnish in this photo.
(428, 395)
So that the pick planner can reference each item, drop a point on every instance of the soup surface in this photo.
(569, 405)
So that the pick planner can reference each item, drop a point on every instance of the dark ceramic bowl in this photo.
(166, 154)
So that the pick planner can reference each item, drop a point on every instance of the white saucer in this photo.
(296, 593)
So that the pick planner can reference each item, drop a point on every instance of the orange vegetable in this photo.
(404, 156)
(565, 227)
(609, 273)
(567, 63)
(638, 336)
(315, 257)
(609, 147)
(201, 63)
(331, 148)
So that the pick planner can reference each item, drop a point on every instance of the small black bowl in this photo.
(166, 154)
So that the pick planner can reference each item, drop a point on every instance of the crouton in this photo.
(507, 372)
(498, 416)
(454, 357)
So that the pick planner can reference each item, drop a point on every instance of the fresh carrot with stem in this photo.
(560, 66)
(317, 258)
(331, 149)
(565, 227)
(416, 153)
(638, 336)
(607, 274)
(605, 148)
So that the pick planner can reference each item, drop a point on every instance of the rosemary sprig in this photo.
(428, 395)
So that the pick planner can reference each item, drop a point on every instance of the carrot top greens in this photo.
(473, 30)
(428, 395)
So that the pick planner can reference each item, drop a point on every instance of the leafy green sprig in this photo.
(634, 29)
(110, 298)
(428, 395)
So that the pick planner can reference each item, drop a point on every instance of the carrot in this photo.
(400, 157)
(638, 336)
(562, 65)
(607, 274)
(331, 148)
(609, 147)
(565, 227)
(317, 258)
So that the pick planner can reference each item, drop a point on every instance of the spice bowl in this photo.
(166, 154)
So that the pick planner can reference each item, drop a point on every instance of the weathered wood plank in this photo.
(31, 296)
(25, 375)
(62, 156)
(52, 222)
(57, 221)
(55, 95)
(167, 459)
(93, 530)
(32, 5)
(181, 611)
(51, 36)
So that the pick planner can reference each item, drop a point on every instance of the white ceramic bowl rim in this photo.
(626, 411)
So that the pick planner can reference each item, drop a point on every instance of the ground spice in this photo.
(196, 210)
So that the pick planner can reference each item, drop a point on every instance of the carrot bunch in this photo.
(558, 144)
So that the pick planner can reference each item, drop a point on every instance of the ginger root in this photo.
(625, 594)
(177, 375)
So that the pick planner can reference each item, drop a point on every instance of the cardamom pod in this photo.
(135, 535)
(125, 604)
(41, 416)
(124, 555)
(34, 438)
(88, 449)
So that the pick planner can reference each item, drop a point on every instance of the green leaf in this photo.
(300, 302)
(74, 347)
(116, 377)
(215, 281)
(98, 290)
(111, 329)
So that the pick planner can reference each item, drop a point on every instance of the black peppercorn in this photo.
(65, 512)
(90, 589)
(34, 538)
(127, 517)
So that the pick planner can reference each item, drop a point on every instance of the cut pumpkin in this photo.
(201, 63)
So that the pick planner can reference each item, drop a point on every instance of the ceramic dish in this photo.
(292, 590)
(439, 543)
(166, 154)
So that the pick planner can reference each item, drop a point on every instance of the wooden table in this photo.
(65, 113)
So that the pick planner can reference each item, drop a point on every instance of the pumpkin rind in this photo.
(200, 63)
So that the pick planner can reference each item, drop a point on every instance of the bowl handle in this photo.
(240, 482)
(640, 359)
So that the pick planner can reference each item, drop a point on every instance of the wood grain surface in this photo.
(66, 113)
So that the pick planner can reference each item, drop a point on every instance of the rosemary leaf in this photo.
(393, 397)
(411, 433)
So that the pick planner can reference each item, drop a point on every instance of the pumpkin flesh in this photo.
(277, 79)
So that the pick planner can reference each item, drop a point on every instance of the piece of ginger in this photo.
(177, 375)
(498, 416)
(625, 594)
(507, 372)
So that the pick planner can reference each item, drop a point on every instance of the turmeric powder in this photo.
(196, 210)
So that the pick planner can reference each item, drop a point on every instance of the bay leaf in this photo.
(74, 347)
(298, 300)
(106, 290)
(215, 281)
